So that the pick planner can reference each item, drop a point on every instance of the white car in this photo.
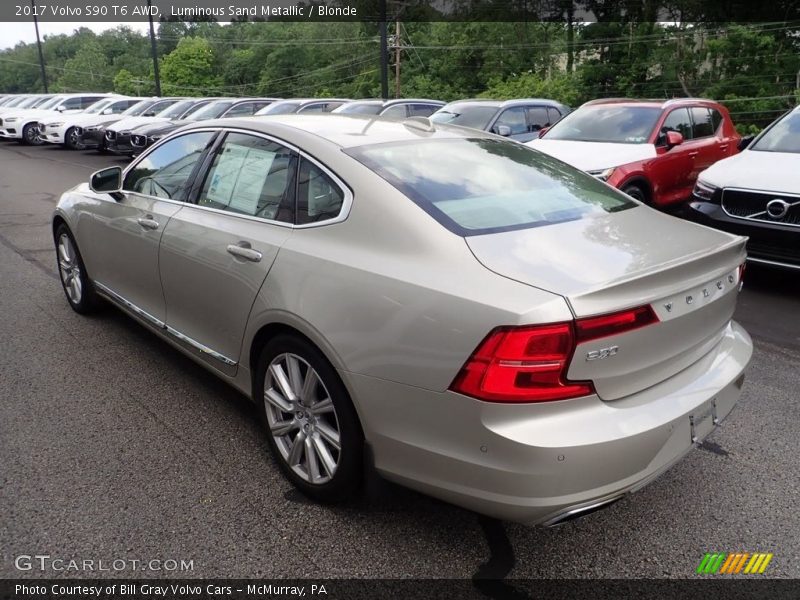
(23, 125)
(63, 129)
(757, 193)
(24, 102)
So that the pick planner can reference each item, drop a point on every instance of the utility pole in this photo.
(153, 49)
(384, 53)
(39, 44)
(397, 50)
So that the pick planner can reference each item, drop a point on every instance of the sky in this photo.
(13, 33)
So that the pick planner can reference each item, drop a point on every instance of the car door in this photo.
(670, 173)
(516, 120)
(122, 236)
(706, 143)
(216, 252)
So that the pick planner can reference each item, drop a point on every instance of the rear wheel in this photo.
(77, 287)
(71, 139)
(312, 427)
(30, 135)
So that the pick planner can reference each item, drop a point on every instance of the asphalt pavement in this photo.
(114, 446)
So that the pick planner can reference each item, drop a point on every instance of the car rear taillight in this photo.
(522, 364)
(530, 363)
(592, 328)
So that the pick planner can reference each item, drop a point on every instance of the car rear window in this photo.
(478, 186)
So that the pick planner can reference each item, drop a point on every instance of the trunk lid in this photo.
(614, 261)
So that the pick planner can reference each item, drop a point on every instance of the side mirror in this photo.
(745, 142)
(503, 130)
(108, 111)
(107, 181)
(61, 108)
(543, 130)
(673, 139)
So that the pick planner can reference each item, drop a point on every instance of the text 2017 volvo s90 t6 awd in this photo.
(484, 322)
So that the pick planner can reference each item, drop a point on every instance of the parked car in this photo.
(25, 102)
(650, 149)
(399, 108)
(23, 125)
(757, 193)
(520, 120)
(302, 105)
(117, 136)
(91, 134)
(448, 299)
(148, 134)
(63, 129)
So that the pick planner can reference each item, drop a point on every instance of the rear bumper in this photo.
(770, 243)
(540, 463)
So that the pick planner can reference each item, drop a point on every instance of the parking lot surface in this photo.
(114, 446)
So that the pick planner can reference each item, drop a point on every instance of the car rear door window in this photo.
(398, 111)
(716, 119)
(514, 118)
(319, 198)
(678, 120)
(251, 176)
(538, 118)
(553, 114)
(244, 109)
(703, 125)
(422, 110)
(167, 171)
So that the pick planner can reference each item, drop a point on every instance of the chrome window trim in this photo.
(752, 218)
(162, 325)
(347, 203)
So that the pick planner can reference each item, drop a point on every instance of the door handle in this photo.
(693, 154)
(723, 146)
(148, 222)
(245, 251)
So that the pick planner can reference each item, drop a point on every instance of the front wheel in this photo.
(636, 192)
(312, 427)
(71, 139)
(77, 287)
(30, 135)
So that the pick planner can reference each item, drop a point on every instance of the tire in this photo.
(74, 280)
(636, 192)
(71, 139)
(30, 135)
(302, 434)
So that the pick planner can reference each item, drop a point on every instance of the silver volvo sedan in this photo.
(475, 319)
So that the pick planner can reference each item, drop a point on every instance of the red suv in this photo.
(652, 150)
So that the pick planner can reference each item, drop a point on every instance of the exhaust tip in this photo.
(577, 513)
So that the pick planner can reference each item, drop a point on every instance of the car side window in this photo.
(422, 110)
(538, 118)
(716, 119)
(166, 172)
(677, 120)
(514, 118)
(246, 108)
(70, 104)
(87, 101)
(703, 127)
(319, 198)
(251, 176)
(553, 115)
(398, 111)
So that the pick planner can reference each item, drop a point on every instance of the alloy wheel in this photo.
(302, 418)
(69, 269)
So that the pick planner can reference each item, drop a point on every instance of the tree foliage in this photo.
(627, 52)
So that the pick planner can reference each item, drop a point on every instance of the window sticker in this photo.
(239, 177)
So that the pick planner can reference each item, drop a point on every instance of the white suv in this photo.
(23, 125)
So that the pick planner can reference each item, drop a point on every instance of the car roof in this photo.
(393, 101)
(507, 103)
(652, 102)
(346, 130)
